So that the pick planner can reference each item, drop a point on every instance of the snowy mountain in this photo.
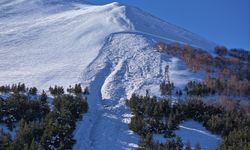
(109, 48)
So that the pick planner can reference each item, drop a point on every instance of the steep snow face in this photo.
(49, 47)
(46, 42)
(151, 25)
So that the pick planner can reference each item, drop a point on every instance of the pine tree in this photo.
(171, 122)
(43, 97)
(179, 144)
(197, 147)
(146, 141)
(137, 124)
(86, 91)
(187, 146)
(170, 144)
(78, 89)
(24, 135)
(70, 90)
(5, 140)
(33, 145)
(33, 91)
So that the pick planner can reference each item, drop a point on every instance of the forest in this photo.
(38, 126)
(152, 115)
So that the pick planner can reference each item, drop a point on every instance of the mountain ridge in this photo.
(162, 27)
(110, 48)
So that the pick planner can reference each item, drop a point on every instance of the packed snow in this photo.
(193, 132)
(109, 48)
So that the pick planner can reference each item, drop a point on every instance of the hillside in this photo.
(60, 39)
(109, 48)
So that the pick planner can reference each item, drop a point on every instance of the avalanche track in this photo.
(127, 63)
(109, 48)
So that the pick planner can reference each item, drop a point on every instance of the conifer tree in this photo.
(86, 91)
(33, 91)
(197, 147)
(78, 89)
(5, 140)
(187, 146)
(43, 97)
(179, 144)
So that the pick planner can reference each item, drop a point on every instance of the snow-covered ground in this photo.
(109, 48)
(193, 132)
(7, 130)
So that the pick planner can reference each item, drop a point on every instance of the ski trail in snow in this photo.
(200, 131)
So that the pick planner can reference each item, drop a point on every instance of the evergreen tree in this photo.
(179, 144)
(43, 97)
(137, 124)
(197, 147)
(187, 146)
(70, 90)
(86, 91)
(33, 91)
(78, 89)
(146, 141)
(5, 140)
(171, 122)
(33, 145)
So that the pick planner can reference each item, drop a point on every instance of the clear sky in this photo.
(226, 22)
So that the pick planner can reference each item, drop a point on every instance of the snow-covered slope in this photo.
(126, 64)
(46, 42)
(109, 48)
(53, 44)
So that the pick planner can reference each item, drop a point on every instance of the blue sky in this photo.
(226, 22)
